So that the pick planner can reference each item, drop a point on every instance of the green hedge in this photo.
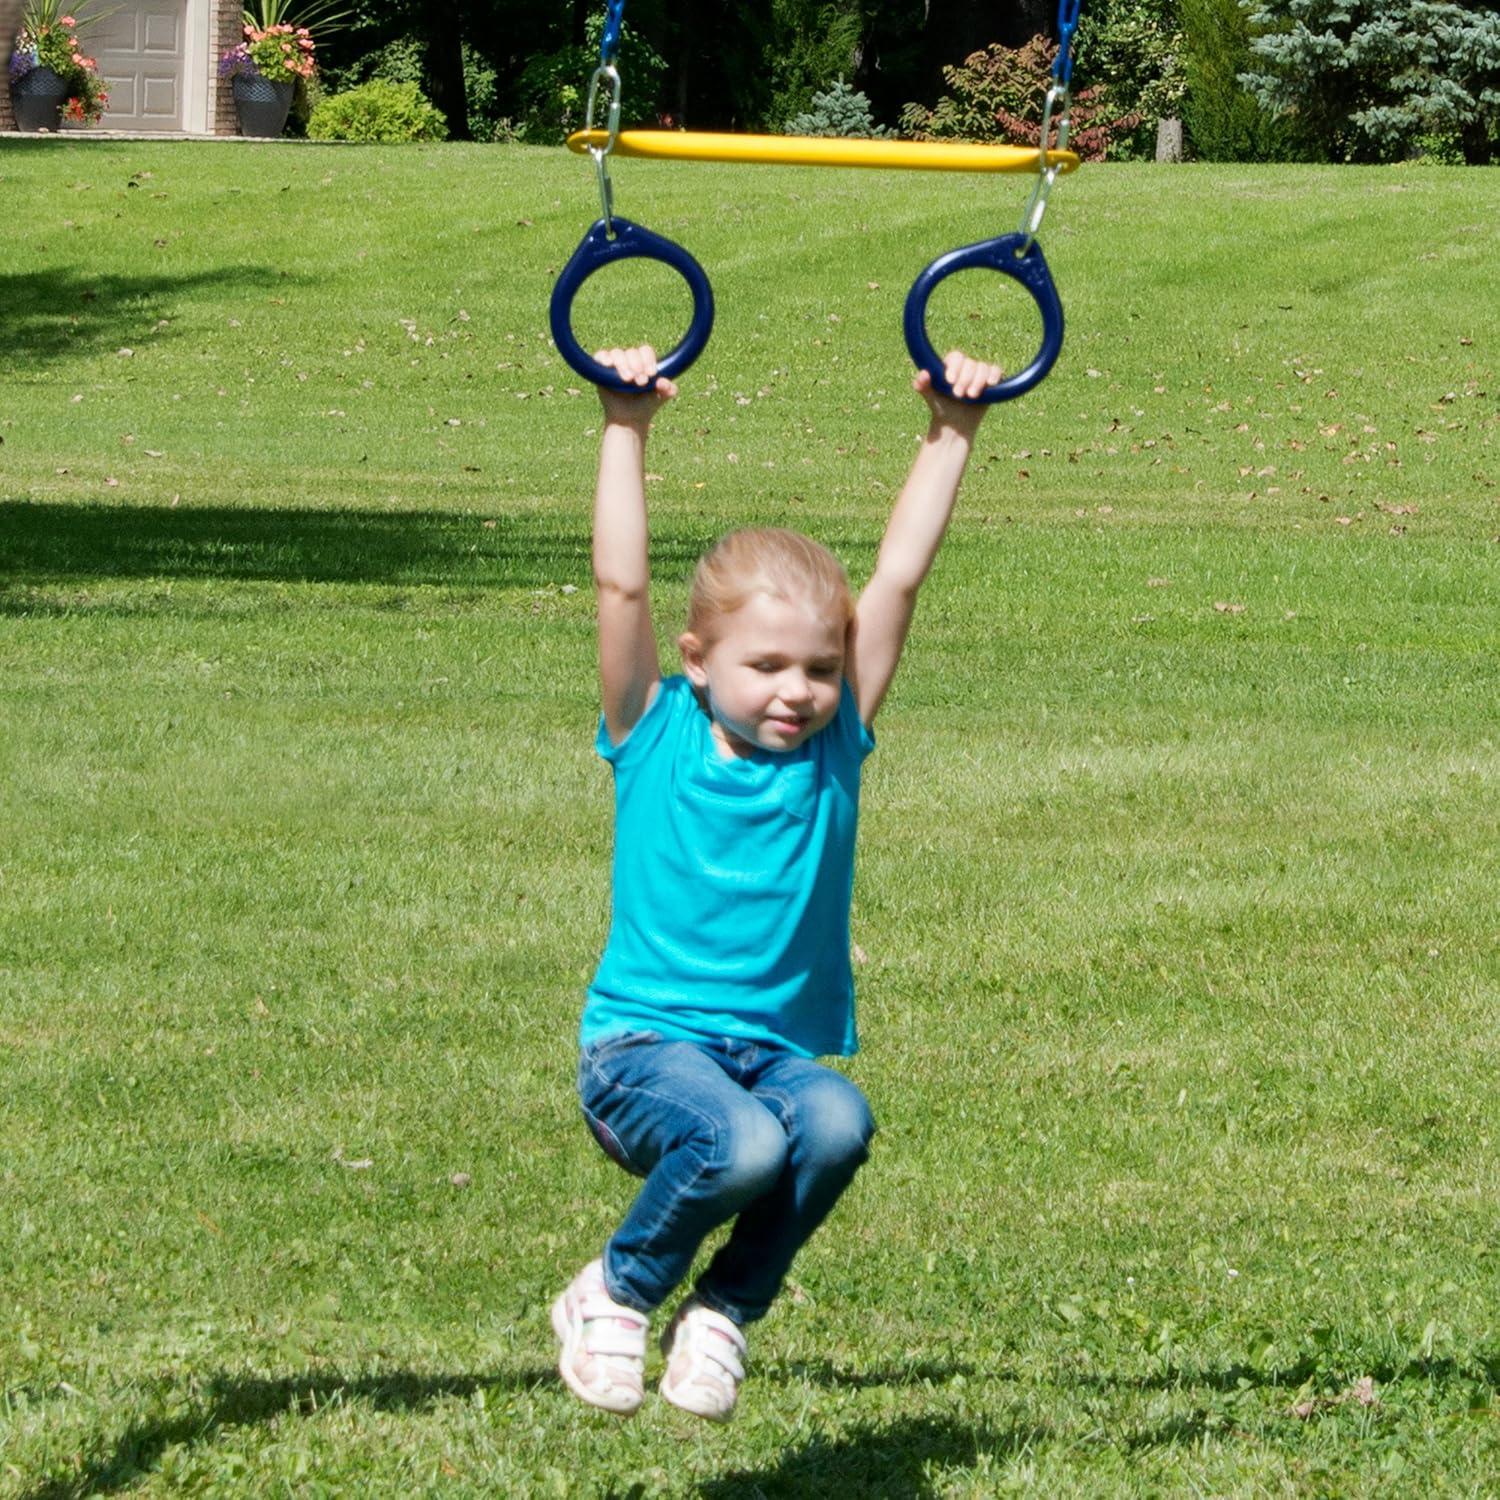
(378, 111)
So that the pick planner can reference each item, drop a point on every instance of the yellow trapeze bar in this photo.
(821, 151)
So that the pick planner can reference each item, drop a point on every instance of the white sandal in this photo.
(603, 1359)
(705, 1361)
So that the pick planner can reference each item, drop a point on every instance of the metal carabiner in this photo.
(1059, 102)
(606, 73)
(1047, 170)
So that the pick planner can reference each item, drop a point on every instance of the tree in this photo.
(1375, 80)
(456, 42)
(1134, 49)
(813, 43)
(440, 23)
(436, 31)
(1223, 120)
(953, 29)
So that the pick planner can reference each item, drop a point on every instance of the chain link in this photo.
(606, 73)
(1058, 109)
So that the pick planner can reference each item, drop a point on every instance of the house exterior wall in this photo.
(10, 24)
(224, 31)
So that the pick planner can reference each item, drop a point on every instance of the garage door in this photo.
(141, 48)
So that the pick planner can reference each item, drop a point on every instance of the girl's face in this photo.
(772, 674)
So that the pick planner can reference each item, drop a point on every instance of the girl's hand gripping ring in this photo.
(1010, 255)
(596, 250)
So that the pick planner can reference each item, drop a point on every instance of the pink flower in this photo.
(66, 21)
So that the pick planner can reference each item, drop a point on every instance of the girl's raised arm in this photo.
(629, 669)
(915, 531)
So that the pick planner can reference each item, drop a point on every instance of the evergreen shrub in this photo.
(379, 112)
(1223, 120)
(839, 110)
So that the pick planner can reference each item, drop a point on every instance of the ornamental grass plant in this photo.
(279, 54)
(280, 41)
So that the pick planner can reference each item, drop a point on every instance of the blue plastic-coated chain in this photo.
(1058, 107)
(611, 238)
(1067, 24)
(1011, 255)
(1015, 255)
(614, 17)
(602, 245)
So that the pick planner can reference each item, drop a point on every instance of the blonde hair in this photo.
(766, 560)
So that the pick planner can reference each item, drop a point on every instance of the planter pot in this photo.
(263, 106)
(37, 98)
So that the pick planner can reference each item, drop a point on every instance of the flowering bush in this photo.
(279, 54)
(50, 40)
(998, 95)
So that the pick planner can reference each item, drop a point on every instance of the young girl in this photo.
(726, 972)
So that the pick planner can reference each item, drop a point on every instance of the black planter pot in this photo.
(263, 106)
(37, 99)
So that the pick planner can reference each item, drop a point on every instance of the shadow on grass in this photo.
(54, 543)
(905, 1459)
(901, 1460)
(54, 313)
(915, 1457)
(235, 1401)
(822, 1372)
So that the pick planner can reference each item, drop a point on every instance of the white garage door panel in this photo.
(162, 102)
(163, 34)
(141, 49)
(121, 98)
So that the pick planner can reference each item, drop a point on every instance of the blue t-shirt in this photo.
(732, 881)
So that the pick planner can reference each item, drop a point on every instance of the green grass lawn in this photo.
(1180, 868)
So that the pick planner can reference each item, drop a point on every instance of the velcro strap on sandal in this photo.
(607, 1339)
(606, 1332)
(727, 1351)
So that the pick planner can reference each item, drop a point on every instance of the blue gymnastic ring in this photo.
(1000, 254)
(596, 250)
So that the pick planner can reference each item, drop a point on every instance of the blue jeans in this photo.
(719, 1129)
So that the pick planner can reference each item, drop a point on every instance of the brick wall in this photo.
(10, 24)
(225, 29)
